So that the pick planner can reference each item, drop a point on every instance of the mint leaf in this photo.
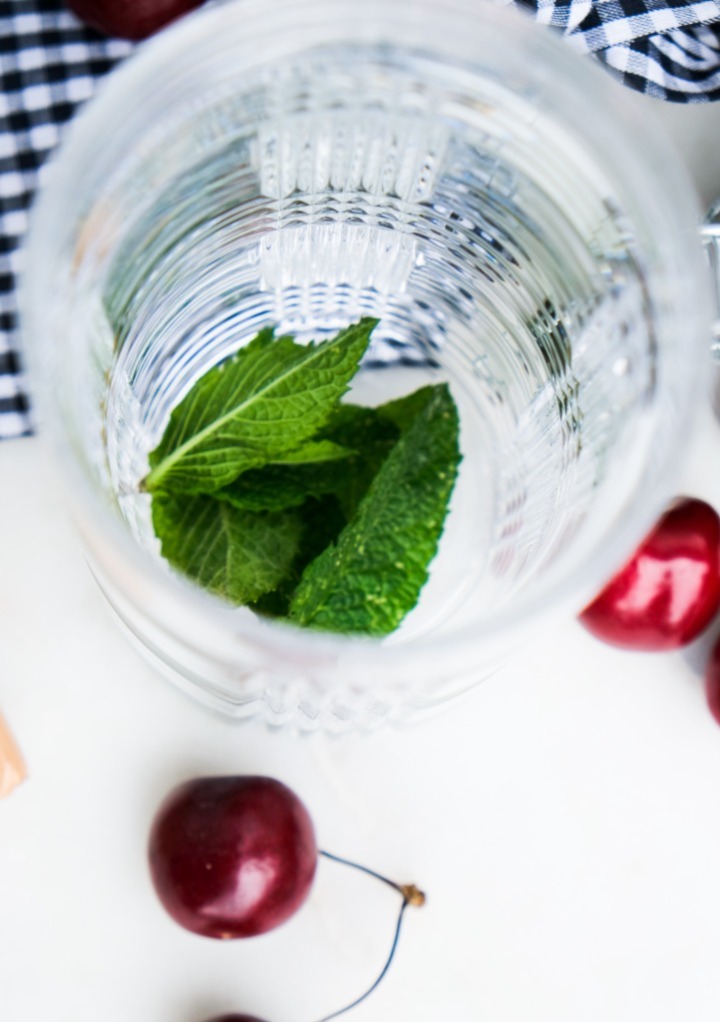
(322, 522)
(403, 411)
(311, 452)
(359, 427)
(373, 433)
(267, 399)
(270, 493)
(309, 471)
(234, 554)
(371, 577)
(325, 466)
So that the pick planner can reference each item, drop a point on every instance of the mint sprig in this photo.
(265, 400)
(367, 581)
(271, 493)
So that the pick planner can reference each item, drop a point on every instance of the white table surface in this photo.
(564, 818)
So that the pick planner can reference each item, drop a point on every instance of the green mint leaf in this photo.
(311, 452)
(403, 411)
(309, 471)
(234, 554)
(373, 432)
(316, 468)
(371, 577)
(322, 522)
(359, 427)
(268, 398)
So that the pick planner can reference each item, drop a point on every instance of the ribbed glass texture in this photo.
(447, 168)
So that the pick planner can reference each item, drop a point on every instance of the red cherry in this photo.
(232, 856)
(712, 681)
(130, 19)
(670, 589)
(234, 1018)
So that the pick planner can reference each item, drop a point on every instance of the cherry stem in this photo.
(411, 895)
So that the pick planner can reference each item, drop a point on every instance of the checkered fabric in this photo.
(669, 49)
(50, 64)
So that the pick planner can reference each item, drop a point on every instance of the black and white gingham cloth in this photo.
(50, 64)
(669, 49)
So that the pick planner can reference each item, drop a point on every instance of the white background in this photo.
(564, 818)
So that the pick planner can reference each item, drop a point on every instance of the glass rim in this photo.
(639, 148)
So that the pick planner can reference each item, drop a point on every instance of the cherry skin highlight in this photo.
(130, 19)
(669, 591)
(232, 857)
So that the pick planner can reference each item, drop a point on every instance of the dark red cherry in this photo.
(130, 19)
(235, 1018)
(232, 856)
(712, 681)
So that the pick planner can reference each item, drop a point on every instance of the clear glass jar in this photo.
(456, 171)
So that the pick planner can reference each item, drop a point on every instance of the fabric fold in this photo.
(50, 64)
